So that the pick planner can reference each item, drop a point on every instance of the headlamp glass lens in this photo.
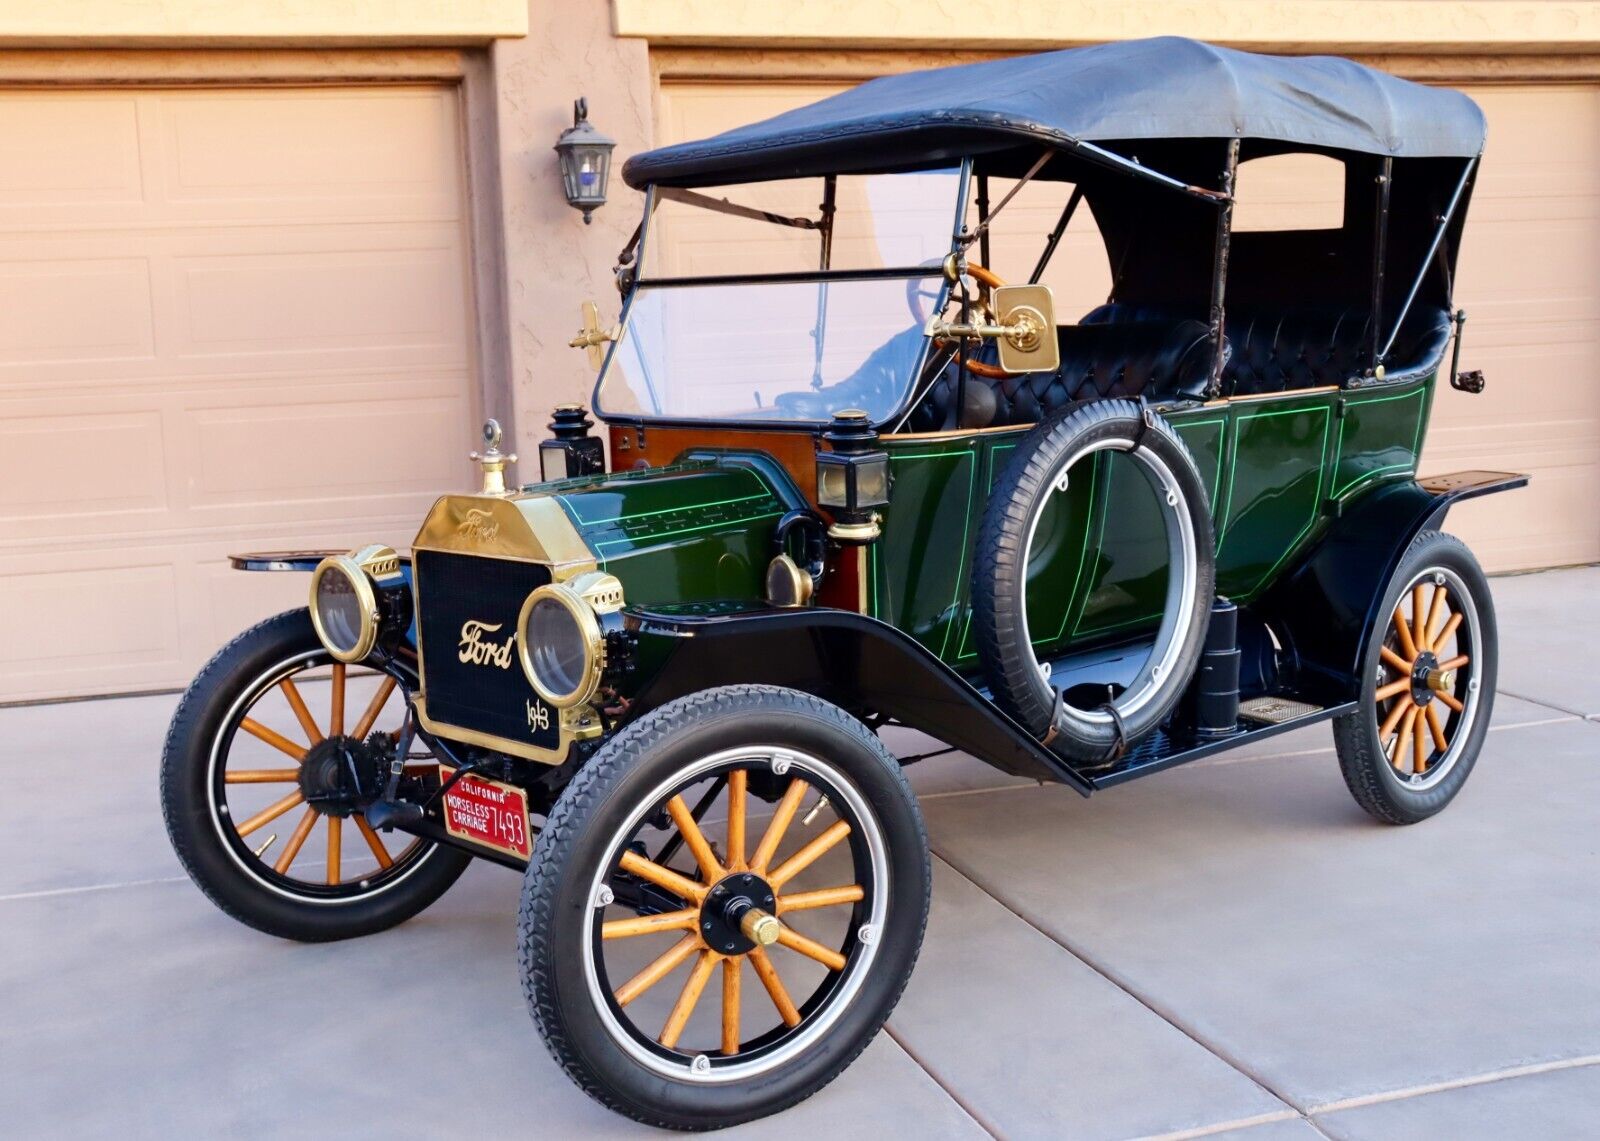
(339, 610)
(557, 649)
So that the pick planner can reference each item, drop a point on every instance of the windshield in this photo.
(738, 316)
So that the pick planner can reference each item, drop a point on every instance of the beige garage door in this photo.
(1530, 282)
(228, 320)
(1529, 279)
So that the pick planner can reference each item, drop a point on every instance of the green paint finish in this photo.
(1379, 438)
(693, 532)
(701, 530)
(1270, 467)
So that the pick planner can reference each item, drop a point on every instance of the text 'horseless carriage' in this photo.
(856, 480)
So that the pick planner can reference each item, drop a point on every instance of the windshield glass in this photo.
(710, 333)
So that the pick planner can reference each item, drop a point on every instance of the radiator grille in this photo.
(454, 592)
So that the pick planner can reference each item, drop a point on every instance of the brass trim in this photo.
(1287, 394)
(856, 532)
(366, 598)
(594, 645)
(577, 724)
(787, 584)
(522, 528)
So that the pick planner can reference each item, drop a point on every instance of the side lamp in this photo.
(852, 477)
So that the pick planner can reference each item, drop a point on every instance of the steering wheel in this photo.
(987, 281)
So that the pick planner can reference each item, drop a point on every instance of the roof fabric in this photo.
(1163, 88)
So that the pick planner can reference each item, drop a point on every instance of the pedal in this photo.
(386, 815)
(1275, 710)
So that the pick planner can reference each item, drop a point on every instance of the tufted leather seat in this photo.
(1279, 351)
(1158, 359)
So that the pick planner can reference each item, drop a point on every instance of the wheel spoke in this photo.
(1448, 631)
(1436, 613)
(683, 887)
(787, 807)
(296, 841)
(808, 855)
(732, 972)
(689, 829)
(822, 897)
(1419, 744)
(303, 715)
(276, 740)
(270, 813)
(335, 840)
(1436, 727)
(657, 970)
(374, 707)
(1394, 688)
(738, 784)
(375, 842)
(768, 974)
(1408, 647)
(1393, 720)
(810, 948)
(1393, 660)
(1418, 627)
(336, 714)
(688, 998)
(1455, 663)
(1451, 700)
(261, 776)
(1408, 723)
(648, 924)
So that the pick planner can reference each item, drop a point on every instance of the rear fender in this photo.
(1326, 609)
(856, 662)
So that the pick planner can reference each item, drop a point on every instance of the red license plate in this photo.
(487, 812)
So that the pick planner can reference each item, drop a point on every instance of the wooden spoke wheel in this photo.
(787, 894)
(273, 755)
(1428, 685)
(1425, 678)
(294, 772)
(723, 906)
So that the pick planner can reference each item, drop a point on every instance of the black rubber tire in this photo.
(202, 850)
(556, 908)
(1001, 563)
(1367, 771)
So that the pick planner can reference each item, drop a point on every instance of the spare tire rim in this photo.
(1182, 566)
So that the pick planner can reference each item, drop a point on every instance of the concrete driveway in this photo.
(1230, 949)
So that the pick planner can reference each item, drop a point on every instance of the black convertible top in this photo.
(1163, 88)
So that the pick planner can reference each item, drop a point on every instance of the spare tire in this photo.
(1040, 468)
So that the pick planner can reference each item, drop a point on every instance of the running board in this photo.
(1165, 749)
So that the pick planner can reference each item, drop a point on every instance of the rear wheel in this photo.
(268, 763)
(1429, 686)
(724, 907)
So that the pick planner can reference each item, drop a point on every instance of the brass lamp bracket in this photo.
(592, 336)
(1024, 331)
(492, 459)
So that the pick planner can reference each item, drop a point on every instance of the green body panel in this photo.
(1277, 469)
(693, 532)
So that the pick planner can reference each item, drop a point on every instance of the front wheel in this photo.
(272, 755)
(1428, 685)
(762, 850)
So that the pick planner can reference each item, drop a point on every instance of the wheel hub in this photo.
(341, 775)
(1427, 678)
(737, 914)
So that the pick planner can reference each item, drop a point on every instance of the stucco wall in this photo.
(554, 261)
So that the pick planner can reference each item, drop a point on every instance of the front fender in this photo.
(1326, 609)
(856, 662)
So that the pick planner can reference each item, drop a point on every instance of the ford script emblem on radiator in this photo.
(477, 649)
(478, 525)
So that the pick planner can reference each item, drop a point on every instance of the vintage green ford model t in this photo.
(863, 482)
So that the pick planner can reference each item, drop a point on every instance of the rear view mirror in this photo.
(1028, 314)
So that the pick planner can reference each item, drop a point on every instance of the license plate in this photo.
(487, 812)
